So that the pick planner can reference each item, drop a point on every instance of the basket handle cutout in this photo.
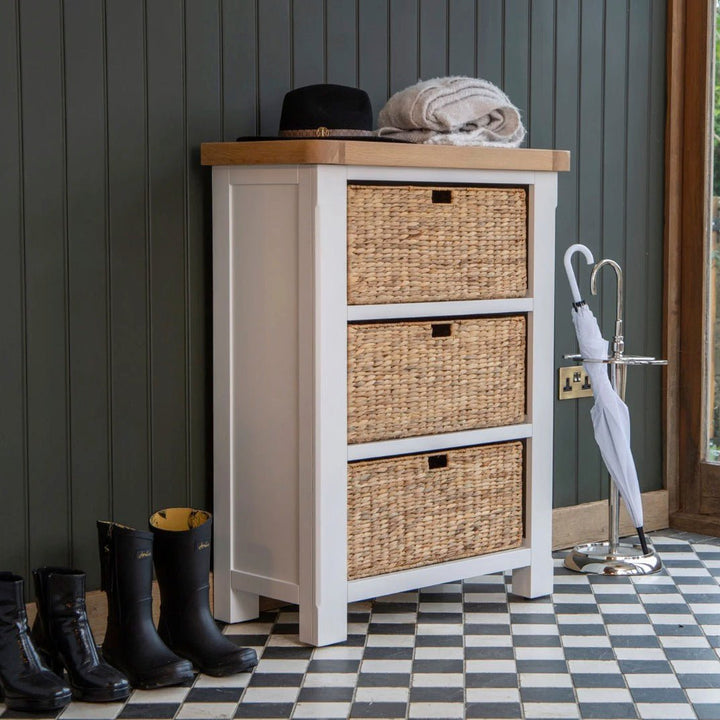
(443, 197)
(441, 329)
(435, 462)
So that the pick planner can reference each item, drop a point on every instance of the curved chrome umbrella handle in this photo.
(618, 341)
(577, 247)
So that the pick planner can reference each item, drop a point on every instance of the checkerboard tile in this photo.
(598, 647)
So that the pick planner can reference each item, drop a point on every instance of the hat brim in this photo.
(354, 138)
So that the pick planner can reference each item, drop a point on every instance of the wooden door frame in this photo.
(694, 484)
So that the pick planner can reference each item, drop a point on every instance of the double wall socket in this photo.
(573, 382)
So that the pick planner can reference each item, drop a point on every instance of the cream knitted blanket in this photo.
(452, 111)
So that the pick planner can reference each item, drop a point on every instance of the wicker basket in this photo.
(421, 378)
(415, 510)
(421, 244)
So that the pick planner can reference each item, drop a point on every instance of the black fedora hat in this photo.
(325, 112)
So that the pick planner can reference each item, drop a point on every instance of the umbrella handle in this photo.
(577, 247)
(618, 340)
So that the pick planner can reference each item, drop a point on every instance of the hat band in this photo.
(323, 132)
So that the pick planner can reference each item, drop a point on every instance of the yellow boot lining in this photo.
(179, 519)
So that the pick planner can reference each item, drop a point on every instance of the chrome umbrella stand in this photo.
(613, 557)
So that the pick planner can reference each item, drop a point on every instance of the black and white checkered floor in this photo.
(600, 647)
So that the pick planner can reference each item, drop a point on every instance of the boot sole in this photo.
(99, 695)
(168, 679)
(225, 671)
(230, 669)
(163, 682)
(35, 706)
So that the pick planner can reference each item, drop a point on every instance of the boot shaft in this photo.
(16, 649)
(59, 591)
(182, 550)
(12, 604)
(126, 563)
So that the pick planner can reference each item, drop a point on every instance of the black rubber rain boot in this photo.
(61, 633)
(132, 644)
(182, 565)
(25, 683)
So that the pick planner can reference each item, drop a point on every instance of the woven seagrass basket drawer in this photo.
(425, 377)
(408, 511)
(422, 244)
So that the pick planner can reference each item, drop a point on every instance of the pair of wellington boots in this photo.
(179, 541)
(33, 664)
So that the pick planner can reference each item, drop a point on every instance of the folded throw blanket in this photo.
(452, 111)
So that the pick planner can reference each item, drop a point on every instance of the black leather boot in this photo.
(61, 633)
(131, 642)
(182, 566)
(25, 683)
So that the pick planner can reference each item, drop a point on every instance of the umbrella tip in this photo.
(643, 540)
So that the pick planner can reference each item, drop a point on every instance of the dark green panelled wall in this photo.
(105, 358)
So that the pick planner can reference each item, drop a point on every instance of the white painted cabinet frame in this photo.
(280, 392)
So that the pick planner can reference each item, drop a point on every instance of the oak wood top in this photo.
(348, 152)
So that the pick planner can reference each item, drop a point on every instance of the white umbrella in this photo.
(610, 415)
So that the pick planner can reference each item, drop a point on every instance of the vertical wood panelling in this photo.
(203, 112)
(433, 38)
(274, 61)
(614, 150)
(461, 48)
(87, 274)
(656, 149)
(541, 117)
(105, 283)
(13, 469)
(166, 163)
(590, 212)
(404, 65)
(341, 62)
(490, 20)
(239, 57)
(652, 340)
(127, 221)
(636, 239)
(373, 33)
(516, 69)
(308, 44)
(567, 89)
(45, 282)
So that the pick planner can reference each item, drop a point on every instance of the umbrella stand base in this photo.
(596, 559)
